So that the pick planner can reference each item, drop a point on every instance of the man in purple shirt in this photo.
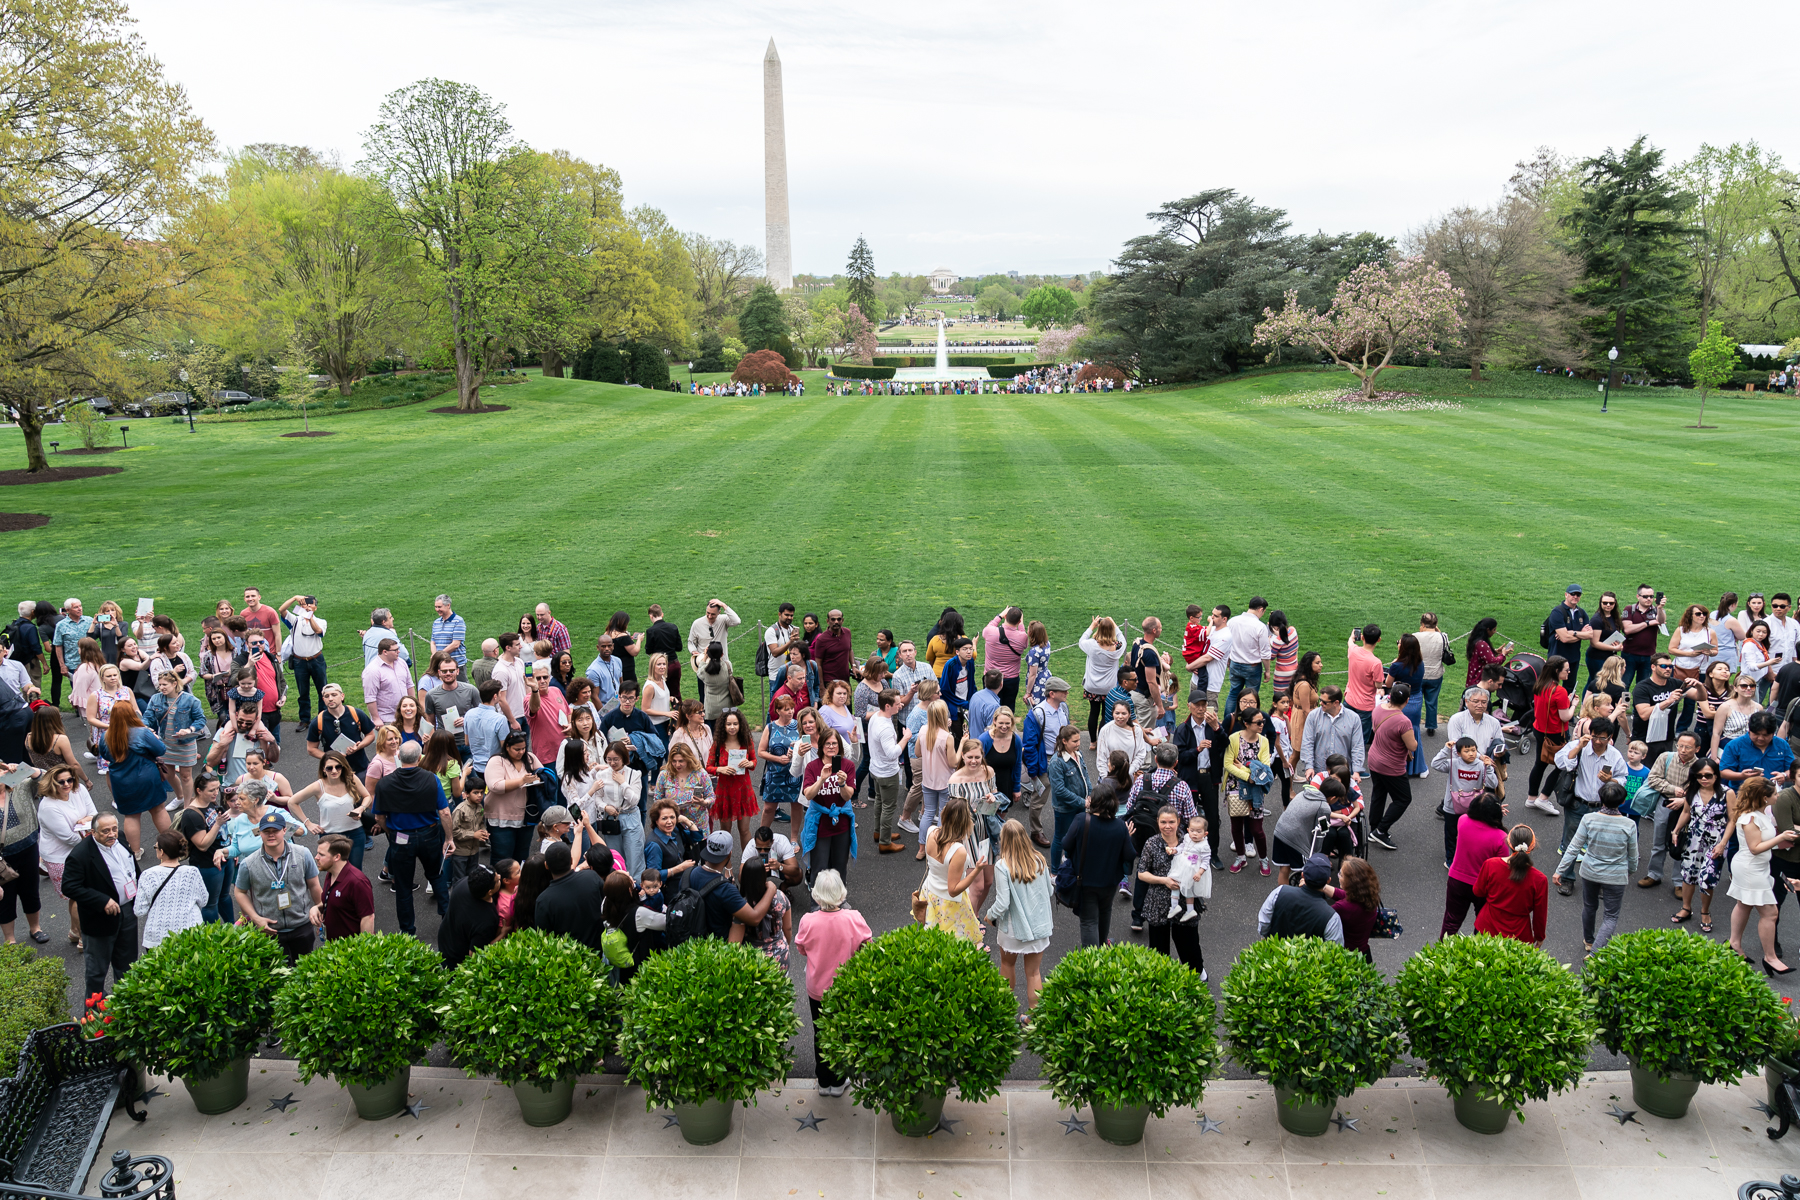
(386, 681)
(832, 649)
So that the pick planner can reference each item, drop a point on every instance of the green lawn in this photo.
(597, 497)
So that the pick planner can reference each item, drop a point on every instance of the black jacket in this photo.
(468, 926)
(572, 905)
(89, 883)
(1109, 857)
(1187, 755)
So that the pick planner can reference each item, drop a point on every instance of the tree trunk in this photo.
(468, 381)
(552, 364)
(1701, 423)
(32, 426)
(1475, 370)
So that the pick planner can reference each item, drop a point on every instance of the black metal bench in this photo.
(53, 1117)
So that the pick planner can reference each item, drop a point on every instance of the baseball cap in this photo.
(556, 814)
(1574, 588)
(1318, 870)
(270, 820)
(717, 848)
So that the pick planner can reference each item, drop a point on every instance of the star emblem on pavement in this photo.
(811, 1121)
(281, 1103)
(1073, 1124)
(948, 1124)
(670, 1120)
(1208, 1125)
(414, 1109)
(1763, 1108)
(1622, 1115)
(151, 1093)
(1343, 1123)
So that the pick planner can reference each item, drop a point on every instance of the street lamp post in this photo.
(1612, 356)
(690, 371)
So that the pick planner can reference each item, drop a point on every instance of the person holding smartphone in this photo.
(828, 837)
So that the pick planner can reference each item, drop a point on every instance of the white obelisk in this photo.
(778, 249)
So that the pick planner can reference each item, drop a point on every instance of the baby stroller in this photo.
(1515, 690)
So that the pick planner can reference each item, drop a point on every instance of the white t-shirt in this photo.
(1216, 668)
(779, 851)
(334, 812)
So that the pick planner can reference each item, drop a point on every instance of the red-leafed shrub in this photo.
(766, 367)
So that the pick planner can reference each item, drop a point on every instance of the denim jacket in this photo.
(1068, 784)
(188, 713)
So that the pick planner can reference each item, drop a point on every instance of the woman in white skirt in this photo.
(1751, 885)
(1020, 909)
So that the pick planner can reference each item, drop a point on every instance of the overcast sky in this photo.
(989, 137)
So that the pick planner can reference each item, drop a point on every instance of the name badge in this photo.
(400, 839)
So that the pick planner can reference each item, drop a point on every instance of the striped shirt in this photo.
(445, 630)
(1611, 842)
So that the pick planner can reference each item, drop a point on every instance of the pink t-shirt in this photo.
(1475, 844)
(1366, 673)
(546, 725)
(828, 939)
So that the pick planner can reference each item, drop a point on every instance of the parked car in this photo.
(162, 404)
(229, 398)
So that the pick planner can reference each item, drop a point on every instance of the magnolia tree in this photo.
(1379, 311)
(1058, 345)
(766, 367)
(859, 336)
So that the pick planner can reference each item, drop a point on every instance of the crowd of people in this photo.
(536, 791)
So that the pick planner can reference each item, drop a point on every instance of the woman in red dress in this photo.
(730, 762)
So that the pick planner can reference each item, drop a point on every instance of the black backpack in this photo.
(687, 915)
(762, 660)
(1143, 812)
(9, 636)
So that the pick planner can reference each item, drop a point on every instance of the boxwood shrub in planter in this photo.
(195, 1007)
(1314, 1019)
(533, 1010)
(1784, 1055)
(914, 1013)
(362, 1010)
(1090, 1025)
(706, 1026)
(1497, 1022)
(1685, 1010)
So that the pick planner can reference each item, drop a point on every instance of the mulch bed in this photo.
(311, 433)
(95, 450)
(469, 412)
(56, 474)
(12, 521)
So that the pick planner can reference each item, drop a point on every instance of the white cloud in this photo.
(992, 137)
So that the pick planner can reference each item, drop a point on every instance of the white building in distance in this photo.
(943, 280)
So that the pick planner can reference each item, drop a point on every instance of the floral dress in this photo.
(767, 935)
(779, 784)
(1039, 657)
(692, 794)
(1705, 827)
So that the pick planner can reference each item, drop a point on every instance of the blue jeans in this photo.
(1431, 690)
(1245, 677)
(928, 813)
(510, 843)
(425, 847)
(227, 907)
(1637, 666)
(215, 879)
(1063, 821)
(359, 842)
(309, 671)
(629, 841)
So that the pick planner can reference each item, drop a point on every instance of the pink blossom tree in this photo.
(1379, 311)
(1057, 345)
(860, 334)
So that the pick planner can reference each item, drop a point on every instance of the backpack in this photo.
(687, 915)
(761, 666)
(1143, 810)
(9, 637)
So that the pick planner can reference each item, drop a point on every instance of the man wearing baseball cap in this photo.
(278, 888)
(1564, 629)
(724, 903)
(1303, 911)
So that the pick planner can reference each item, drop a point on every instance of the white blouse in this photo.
(168, 908)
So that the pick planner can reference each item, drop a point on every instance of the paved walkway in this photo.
(470, 1142)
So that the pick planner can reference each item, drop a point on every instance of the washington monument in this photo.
(778, 249)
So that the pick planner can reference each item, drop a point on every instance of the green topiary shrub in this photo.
(1090, 1021)
(1495, 1015)
(34, 990)
(533, 1007)
(709, 1020)
(199, 1001)
(361, 1009)
(1310, 1016)
(914, 1013)
(853, 371)
(1678, 1004)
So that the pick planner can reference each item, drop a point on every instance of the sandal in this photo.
(1705, 922)
(1683, 917)
(75, 940)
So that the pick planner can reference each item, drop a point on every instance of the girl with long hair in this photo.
(1728, 631)
(1551, 710)
(1358, 903)
(1284, 646)
(1480, 651)
(1104, 648)
(691, 730)
(937, 762)
(1037, 662)
(1020, 911)
(625, 644)
(828, 836)
(342, 802)
(1305, 691)
(131, 751)
(950, 870)
(1751, 884)
(656, 698)
(731, 763)
(1704, 820)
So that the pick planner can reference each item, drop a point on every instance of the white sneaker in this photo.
(89, 753)
(1192, 914)
(1545, 805)
(908, 824)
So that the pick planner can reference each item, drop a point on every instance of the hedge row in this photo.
(852, 371)
(33, 993)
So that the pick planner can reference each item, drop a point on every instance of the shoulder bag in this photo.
(8, 875)
(1068, 871)
(1449, 658)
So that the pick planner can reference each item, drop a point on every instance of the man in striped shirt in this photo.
(448, 633)
(553, 630)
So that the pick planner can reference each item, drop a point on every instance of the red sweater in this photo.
(1516, 910)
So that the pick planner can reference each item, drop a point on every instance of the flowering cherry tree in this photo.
(766, 367)
(1379, 311)
(1056, 345)
(860, 334)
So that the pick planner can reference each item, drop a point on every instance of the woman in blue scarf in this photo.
(828, 839)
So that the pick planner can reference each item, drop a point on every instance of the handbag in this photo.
(1449, 657)
(734, 692)
(8, 874)
(1068, 872)
(1549, 744)
(1387, 923)
(918, 908)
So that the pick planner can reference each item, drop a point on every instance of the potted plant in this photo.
(1497, 1022)
(361, 1010)
(1314, 1019)
(914, 1013)
(1126, 1031)
(533, 1010)
(1685, 1010)
(1784, 1055)
(195, 1008)
(706, 1026)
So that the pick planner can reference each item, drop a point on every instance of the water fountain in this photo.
(943, 372)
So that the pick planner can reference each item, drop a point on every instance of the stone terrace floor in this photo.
(470, 1143)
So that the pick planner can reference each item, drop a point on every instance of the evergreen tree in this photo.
(763, 323)
(712, 352)
(1627, 229)
(647, 365)
(861, 274)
